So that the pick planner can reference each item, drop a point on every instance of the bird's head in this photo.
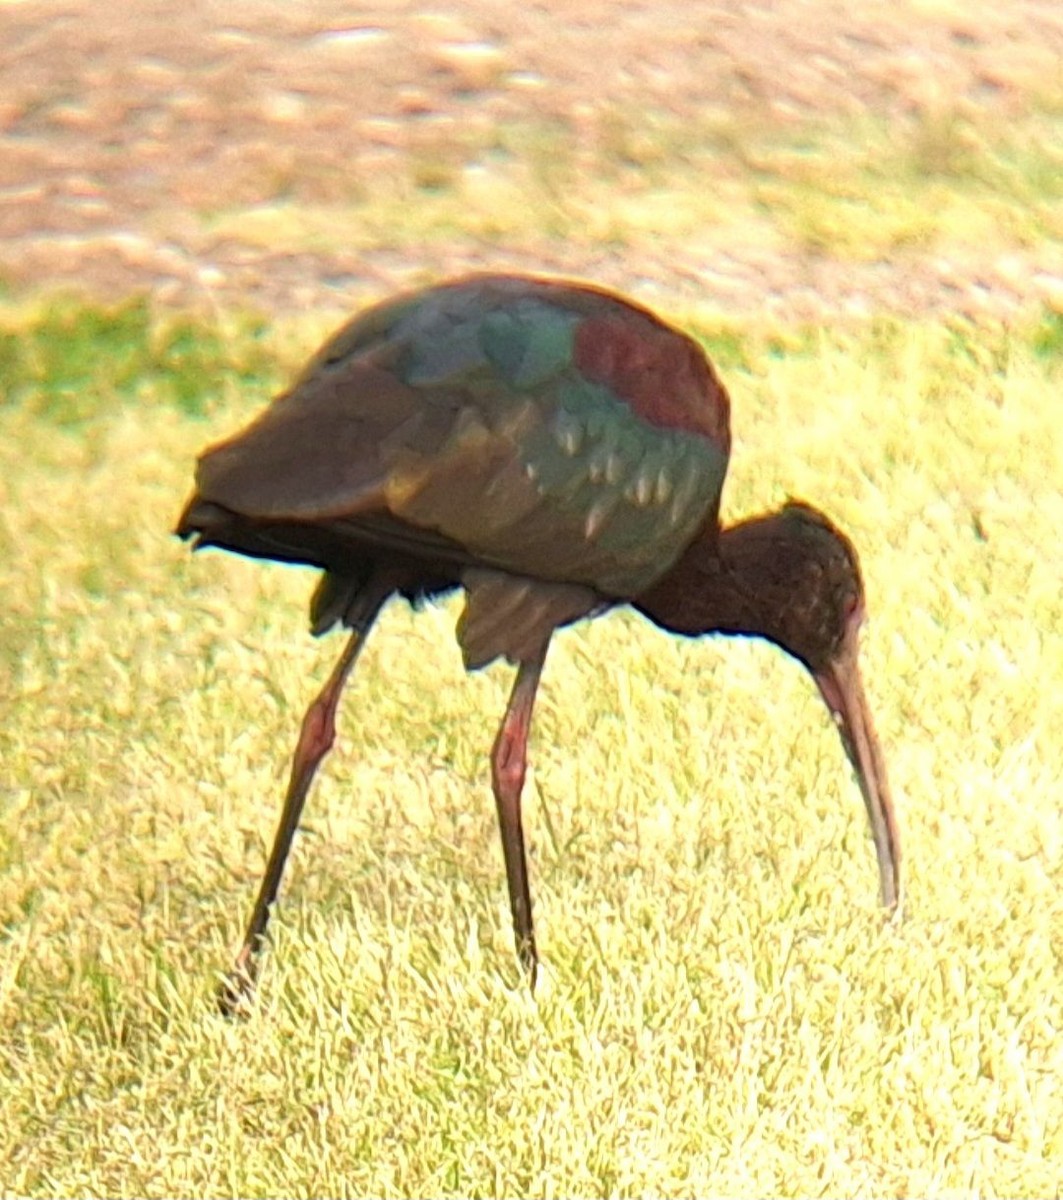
(801, 582)
(812, 573)
(793, 578)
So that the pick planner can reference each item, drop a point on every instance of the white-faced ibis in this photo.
(555, 450)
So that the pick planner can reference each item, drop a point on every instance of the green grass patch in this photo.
(68, 361)
(723, 1009)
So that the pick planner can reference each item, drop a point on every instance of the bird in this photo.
(556, 450)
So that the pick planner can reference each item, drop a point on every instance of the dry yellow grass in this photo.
(723, 1010)
(861, 190)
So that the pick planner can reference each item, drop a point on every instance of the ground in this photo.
(169, 147)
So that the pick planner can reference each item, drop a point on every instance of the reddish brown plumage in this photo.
(790, 577)
(668, 382)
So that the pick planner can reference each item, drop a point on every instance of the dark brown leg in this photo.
(509, 760)
(315, 740)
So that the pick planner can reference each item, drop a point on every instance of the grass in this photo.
(948, 181)
(723, 1009)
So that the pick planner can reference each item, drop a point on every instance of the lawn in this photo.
(940, 183)
(723, 1008)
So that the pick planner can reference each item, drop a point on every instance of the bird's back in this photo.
(546, 429)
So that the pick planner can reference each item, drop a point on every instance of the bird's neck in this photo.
(723, 584)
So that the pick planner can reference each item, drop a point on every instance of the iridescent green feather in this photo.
(558, 478)
(461, 414)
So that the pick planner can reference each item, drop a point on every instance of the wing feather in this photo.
(460, 419)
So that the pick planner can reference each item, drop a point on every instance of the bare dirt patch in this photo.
(121, 129)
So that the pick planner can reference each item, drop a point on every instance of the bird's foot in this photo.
(529, 961)
(237, 988)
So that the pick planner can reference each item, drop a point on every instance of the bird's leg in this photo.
(509, 760)
(315, 740)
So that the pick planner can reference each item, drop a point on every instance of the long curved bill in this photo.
(843, 690)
